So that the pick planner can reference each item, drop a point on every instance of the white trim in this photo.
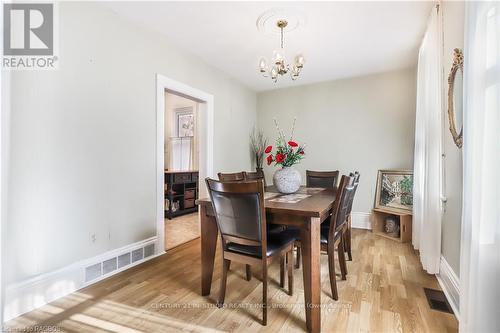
(361, 220)
(450, 284)
(27, 295)
(206, 154)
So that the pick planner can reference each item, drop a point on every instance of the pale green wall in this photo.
(82, 139)
(453, 27)
(364, 123)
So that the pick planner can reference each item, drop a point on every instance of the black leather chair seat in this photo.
(275, 242)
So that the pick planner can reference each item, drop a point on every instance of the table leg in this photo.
(208, 237)
(310, 244)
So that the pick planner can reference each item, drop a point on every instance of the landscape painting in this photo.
(394, 190)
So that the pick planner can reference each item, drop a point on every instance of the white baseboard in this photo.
(361, 220)
(35, 292)
(450, 284)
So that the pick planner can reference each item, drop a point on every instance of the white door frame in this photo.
(206, 135)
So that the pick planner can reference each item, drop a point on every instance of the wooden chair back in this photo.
(231, 177)
(356, 176)
(239, 212)
(255, 175)
(325, 179)
(341, 206)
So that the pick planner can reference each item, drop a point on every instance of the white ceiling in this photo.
(338, 39)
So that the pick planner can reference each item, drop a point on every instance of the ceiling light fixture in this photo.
(279, 66)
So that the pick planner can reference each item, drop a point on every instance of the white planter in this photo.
(287, 180)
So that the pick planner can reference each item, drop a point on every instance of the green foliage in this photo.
(288, 152)
(406, 185)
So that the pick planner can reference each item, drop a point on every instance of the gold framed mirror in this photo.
(455, 97)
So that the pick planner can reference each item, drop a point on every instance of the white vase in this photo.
(287, 180)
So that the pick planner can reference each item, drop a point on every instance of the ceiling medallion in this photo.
(279, 66)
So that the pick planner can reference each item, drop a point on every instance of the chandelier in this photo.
(279, 66)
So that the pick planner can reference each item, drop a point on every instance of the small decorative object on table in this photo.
(258, 144)
(288, 153)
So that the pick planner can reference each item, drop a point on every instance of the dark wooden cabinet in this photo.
(181, 192)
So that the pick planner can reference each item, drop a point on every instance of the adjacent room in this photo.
(181, 170)
(250, 166)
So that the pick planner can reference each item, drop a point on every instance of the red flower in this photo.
(268, 149)
(269, 159)
(301, 152)
(280, 157)
(293, 144)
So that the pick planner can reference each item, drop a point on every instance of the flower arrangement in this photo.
(288, 152)
(258, 144)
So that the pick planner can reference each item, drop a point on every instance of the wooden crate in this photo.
(405, 219)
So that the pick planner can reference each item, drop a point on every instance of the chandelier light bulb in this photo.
(299, 61)
(279, 56)
(263, 65)
(274, 73)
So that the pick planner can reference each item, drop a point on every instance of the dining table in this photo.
(306, 209)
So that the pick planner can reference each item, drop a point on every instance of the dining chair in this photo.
(231, 177)
(332, 237)
(239, 177)
(325, 179)
(347, 235)
(259, 174)
(241, 218)
(236, 177)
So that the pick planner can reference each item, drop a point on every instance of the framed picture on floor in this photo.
(394, 190)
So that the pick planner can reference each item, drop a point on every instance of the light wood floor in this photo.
(181, 229)
(383, 293)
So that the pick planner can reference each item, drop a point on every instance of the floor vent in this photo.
(149, 250)
(110, 265)
(93, 272)
(137, 254)
(124, 260)
(437, 300)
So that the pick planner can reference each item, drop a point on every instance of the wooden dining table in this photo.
(307, 214)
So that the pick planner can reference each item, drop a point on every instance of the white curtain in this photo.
(181, 153)
(427, 161)
(480, 257)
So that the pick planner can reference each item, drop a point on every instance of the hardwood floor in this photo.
(181, 229)
(383, 293)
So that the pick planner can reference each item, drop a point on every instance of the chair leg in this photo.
(342, 262)
(223, 281)
(348, 239)
(282, 271)
(290, 272)
(297, 261)
(249, 272)
(331, 271)
(264, 295)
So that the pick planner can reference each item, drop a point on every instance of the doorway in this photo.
(181, 157)
(184, 157)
